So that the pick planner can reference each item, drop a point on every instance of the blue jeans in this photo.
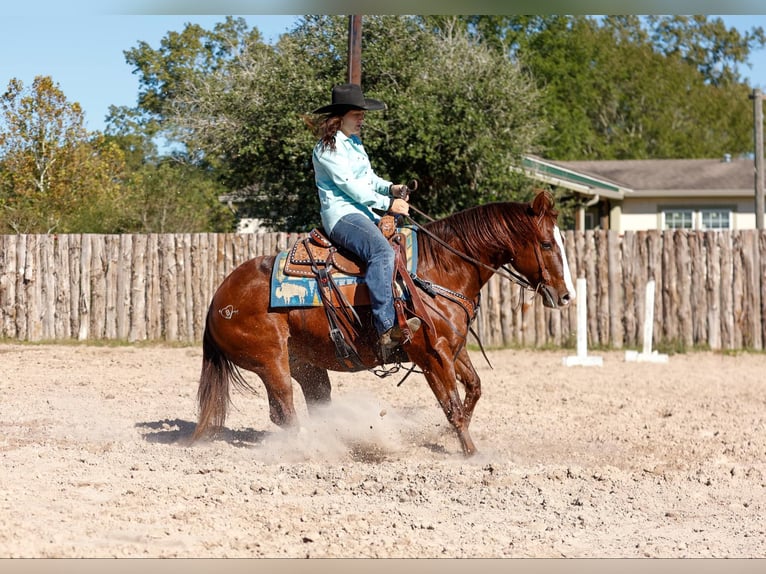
(360, 235)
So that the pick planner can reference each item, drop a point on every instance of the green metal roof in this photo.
(547, 171)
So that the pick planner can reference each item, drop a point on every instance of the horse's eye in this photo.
(546, 245)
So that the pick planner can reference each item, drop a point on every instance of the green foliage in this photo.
(126, 130)
(175, 197)
(627, 88)
(707, 45)
(467, 97)
(181, 59)
(459, 117)
(54, 174)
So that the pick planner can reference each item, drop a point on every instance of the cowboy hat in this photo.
(349, 97)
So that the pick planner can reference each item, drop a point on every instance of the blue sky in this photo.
(83, 51)
(80, 44)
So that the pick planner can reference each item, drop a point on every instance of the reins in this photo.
(509, 274)
(512, 274)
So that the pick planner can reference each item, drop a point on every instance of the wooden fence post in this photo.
(711, 288)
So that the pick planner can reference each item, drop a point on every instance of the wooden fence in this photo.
(711, 288)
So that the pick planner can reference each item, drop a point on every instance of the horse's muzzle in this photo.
(553, 299)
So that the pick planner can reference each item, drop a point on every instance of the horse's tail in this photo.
(213, 391)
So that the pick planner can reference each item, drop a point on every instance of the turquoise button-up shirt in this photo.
(346, 181)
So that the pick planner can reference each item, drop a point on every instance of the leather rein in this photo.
(509, 273)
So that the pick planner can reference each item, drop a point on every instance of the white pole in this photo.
(582, 317)
(647, 355)
(582, 357)
(649, 317)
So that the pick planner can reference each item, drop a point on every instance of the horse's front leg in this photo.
(315, 383)
(439, 370)
(470, 379)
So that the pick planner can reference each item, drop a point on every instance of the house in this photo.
(238, 202)
(632, 195)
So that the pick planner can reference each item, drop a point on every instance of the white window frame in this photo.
(678, 210)
(697, 214)
(723, 211)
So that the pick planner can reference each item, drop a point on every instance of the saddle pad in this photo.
(292, 291)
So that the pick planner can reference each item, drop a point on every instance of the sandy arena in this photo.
(623, 460)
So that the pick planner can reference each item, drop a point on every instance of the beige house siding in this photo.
(647, 213)
(636, 193)
(638, 215)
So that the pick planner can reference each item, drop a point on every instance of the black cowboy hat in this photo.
(349, 97)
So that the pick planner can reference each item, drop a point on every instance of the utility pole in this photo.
(355, 50)
(757, 98)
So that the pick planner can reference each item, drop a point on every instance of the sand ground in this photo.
(623, 460)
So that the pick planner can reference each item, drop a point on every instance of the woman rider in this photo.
(349, 191)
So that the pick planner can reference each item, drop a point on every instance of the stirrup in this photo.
(393, 337)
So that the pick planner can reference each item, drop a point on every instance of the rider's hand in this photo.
(399, 190)
(399, 207)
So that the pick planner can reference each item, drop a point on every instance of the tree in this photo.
(54, 174)
(715, 51)
(467, 97)
(126, 129)
(613, 92)
(175, 197)
(459, 117)
(182, 58)
(178, 189)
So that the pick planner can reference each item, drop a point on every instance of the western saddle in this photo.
(316, 256)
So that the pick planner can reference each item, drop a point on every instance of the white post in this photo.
(647, 355)
(649, 317)
(582, 317)
(582, 357)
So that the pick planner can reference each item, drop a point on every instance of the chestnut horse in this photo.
(456, 255)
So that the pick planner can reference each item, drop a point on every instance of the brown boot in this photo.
(391, 338)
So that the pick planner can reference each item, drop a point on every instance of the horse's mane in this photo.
(482, 229)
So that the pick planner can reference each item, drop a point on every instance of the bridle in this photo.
(508, 272)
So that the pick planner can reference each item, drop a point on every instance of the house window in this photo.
(715, 219)
(700, 219)
(679, 219)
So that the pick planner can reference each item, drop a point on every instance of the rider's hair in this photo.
(325, 128)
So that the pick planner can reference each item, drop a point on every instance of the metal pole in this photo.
(355, 50)
(757, 98)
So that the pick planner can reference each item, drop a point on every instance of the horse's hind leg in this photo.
(279, 389)
(315, 383)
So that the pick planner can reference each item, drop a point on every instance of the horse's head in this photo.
(542, 260)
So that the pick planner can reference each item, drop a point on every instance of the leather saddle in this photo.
(316, 256)
(317, 250)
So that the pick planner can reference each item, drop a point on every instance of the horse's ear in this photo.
(541, 204)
